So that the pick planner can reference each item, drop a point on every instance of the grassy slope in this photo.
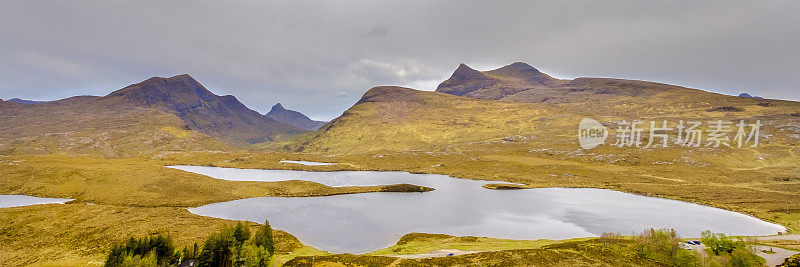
(90, 126)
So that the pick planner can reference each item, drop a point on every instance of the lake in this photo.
(358, 223)
(8, 201)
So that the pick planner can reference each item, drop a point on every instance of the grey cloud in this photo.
(378, 32)
(320, 57)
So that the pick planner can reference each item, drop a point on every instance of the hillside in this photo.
(281, 114)
(158, 114)
(402, 119)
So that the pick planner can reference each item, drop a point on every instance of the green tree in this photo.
(218, 249)
(720, 243)
(241, 233)
(661, 245)
(263, 238)
(157, 250)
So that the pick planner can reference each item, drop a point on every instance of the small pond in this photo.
(8, 201)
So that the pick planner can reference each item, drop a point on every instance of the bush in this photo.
(793, 261)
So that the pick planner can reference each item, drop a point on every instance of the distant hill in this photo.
(158, 114)
(279, 113)
(24, 101)
(748, 95)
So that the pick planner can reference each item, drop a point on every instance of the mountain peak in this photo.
(524, 72)
(518, 67)
(464, 72)
(464, 81)
(281, 114)
(176, 89)
(276, 108)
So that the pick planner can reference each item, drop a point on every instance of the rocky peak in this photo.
(276, 108)
(524, 71)
(464, 72)
(281, 114)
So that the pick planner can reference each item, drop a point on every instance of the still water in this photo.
(359, 223)
(8, 201)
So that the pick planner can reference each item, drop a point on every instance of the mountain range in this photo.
(158, 114)
(523, 108)
(515, 102)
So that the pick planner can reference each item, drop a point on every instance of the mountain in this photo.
(222, 117)
(520, 82)
(388, 119)
(23, 101)
(155, 115)
(748, 95)
(281, 114)
(466, 80)
(495, 84)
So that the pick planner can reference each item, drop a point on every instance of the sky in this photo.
(319, 57)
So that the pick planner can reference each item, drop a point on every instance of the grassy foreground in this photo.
(80, 234)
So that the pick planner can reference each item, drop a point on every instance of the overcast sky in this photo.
(320, 57)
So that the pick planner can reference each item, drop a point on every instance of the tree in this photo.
(720, 243)
(263, 238)
(241, 233)
(218, 249)
(661, 245)
(146, 251)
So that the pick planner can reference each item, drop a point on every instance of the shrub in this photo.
(793, 261)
